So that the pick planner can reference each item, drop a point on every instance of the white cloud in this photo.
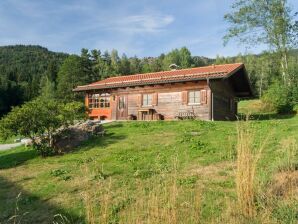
(128, 24)
(142, 23)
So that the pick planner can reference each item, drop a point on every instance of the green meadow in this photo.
(155, 172)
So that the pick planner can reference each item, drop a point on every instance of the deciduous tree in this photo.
(39, 120)
(270, 22)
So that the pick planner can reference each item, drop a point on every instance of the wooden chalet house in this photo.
(207, 93)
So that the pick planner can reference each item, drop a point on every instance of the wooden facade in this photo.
(205, 99)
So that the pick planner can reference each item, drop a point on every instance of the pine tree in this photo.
(71, 74)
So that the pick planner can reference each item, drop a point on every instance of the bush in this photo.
(39, 120)
(278, 97)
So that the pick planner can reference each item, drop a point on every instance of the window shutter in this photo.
(203, 96)
(155, 99)
(140, 99)
(184, 95)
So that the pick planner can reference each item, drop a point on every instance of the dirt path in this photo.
(9, 146)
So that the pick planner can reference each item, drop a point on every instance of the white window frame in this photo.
(145, 98)
(104, 100)
(98, 101)
(192, 95)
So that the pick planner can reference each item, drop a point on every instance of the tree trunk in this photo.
(284, 67)
(261, 85)
(50, 139)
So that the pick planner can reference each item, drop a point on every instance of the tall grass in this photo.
(159, 199)
(248, 187)
(245, 172)
(18, 216)
(256, 201)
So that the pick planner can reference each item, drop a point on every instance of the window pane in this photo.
(194, 97)
(147, 99)
(198, 96)
(193, 100)
(101, 103)
(144, 101)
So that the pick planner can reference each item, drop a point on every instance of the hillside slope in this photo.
(21, 68)
(156, 170)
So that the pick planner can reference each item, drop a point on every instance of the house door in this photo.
(122, 109)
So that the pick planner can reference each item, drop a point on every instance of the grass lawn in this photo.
(134, 156)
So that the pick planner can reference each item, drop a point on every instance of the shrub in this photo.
(278, 97)
(39, 120)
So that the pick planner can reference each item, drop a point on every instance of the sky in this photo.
(134, 27)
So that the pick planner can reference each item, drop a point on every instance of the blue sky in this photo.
(134, 27)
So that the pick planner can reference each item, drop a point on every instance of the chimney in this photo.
(173, 66)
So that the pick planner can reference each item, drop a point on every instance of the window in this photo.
(194, 97)
(93, 100)
(147, 99)
(99, 100)
(104, 100)
(121, 104)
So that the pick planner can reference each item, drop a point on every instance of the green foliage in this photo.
(72, 73)
(181, 57)
(58, 172)
(265, 22)
(264, 69)
(38, 120)
(21, 70)
(47, 88)
(110, 64)
(269, 22)
(278, 98)
(61, 174)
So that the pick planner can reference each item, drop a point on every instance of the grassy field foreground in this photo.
(157, 172)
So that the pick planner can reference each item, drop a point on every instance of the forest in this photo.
(21, 70)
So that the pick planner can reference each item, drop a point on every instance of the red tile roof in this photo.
(181, 75)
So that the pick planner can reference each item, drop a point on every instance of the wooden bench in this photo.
(181, 115)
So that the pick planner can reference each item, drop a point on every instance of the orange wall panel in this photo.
(100, 112)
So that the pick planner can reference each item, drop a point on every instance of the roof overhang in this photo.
(240, 83)
(157, 82)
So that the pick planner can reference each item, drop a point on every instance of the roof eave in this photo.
(250, 93)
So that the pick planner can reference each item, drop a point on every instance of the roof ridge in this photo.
(155, 78)
(166, 71)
